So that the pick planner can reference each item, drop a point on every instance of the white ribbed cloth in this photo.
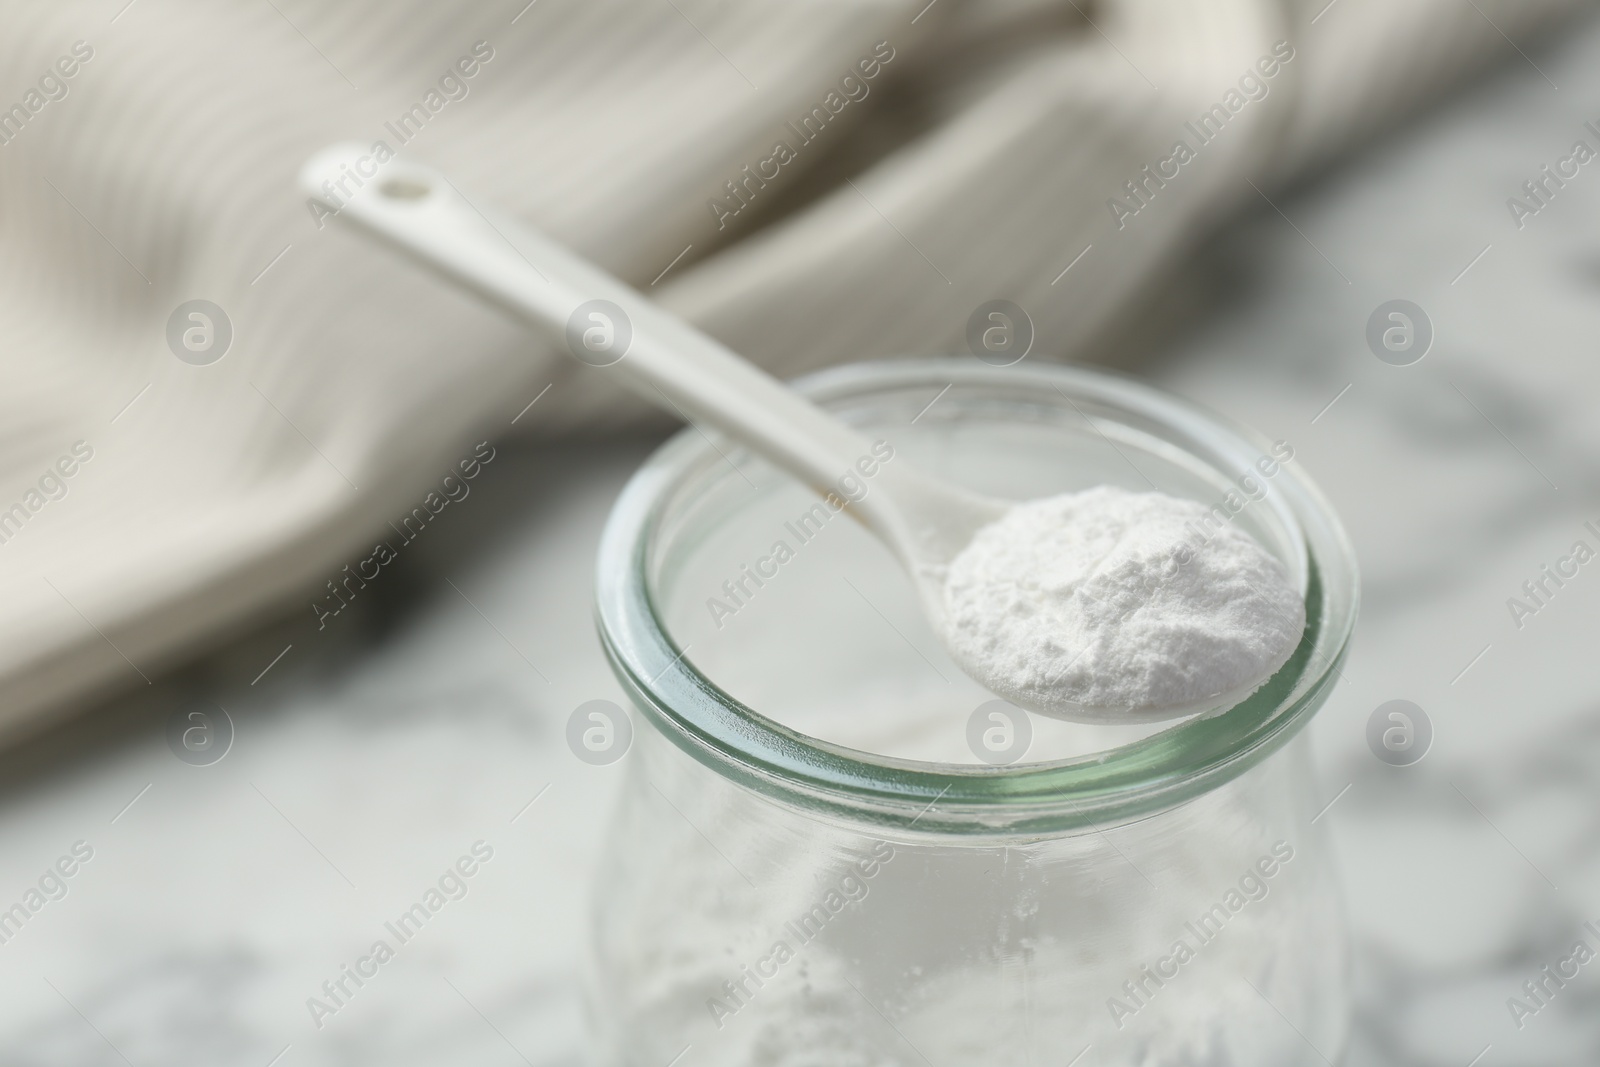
(978, 165)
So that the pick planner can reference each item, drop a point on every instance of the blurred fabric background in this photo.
(219, 499)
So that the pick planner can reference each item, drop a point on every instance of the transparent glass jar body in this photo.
(774, 897)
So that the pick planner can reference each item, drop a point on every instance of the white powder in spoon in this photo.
(1118, 600)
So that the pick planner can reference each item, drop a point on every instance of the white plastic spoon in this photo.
(925, 522)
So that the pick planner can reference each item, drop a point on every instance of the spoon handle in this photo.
(417, 210)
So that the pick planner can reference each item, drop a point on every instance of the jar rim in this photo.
(1112, 786)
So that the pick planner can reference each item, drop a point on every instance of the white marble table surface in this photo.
(380, 749)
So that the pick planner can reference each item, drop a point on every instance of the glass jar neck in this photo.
(1106, 788)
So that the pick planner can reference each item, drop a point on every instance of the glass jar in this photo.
(834, 848)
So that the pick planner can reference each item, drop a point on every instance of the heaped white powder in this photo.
(1118, 600)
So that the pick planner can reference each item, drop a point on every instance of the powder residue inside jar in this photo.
(1113, 599)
